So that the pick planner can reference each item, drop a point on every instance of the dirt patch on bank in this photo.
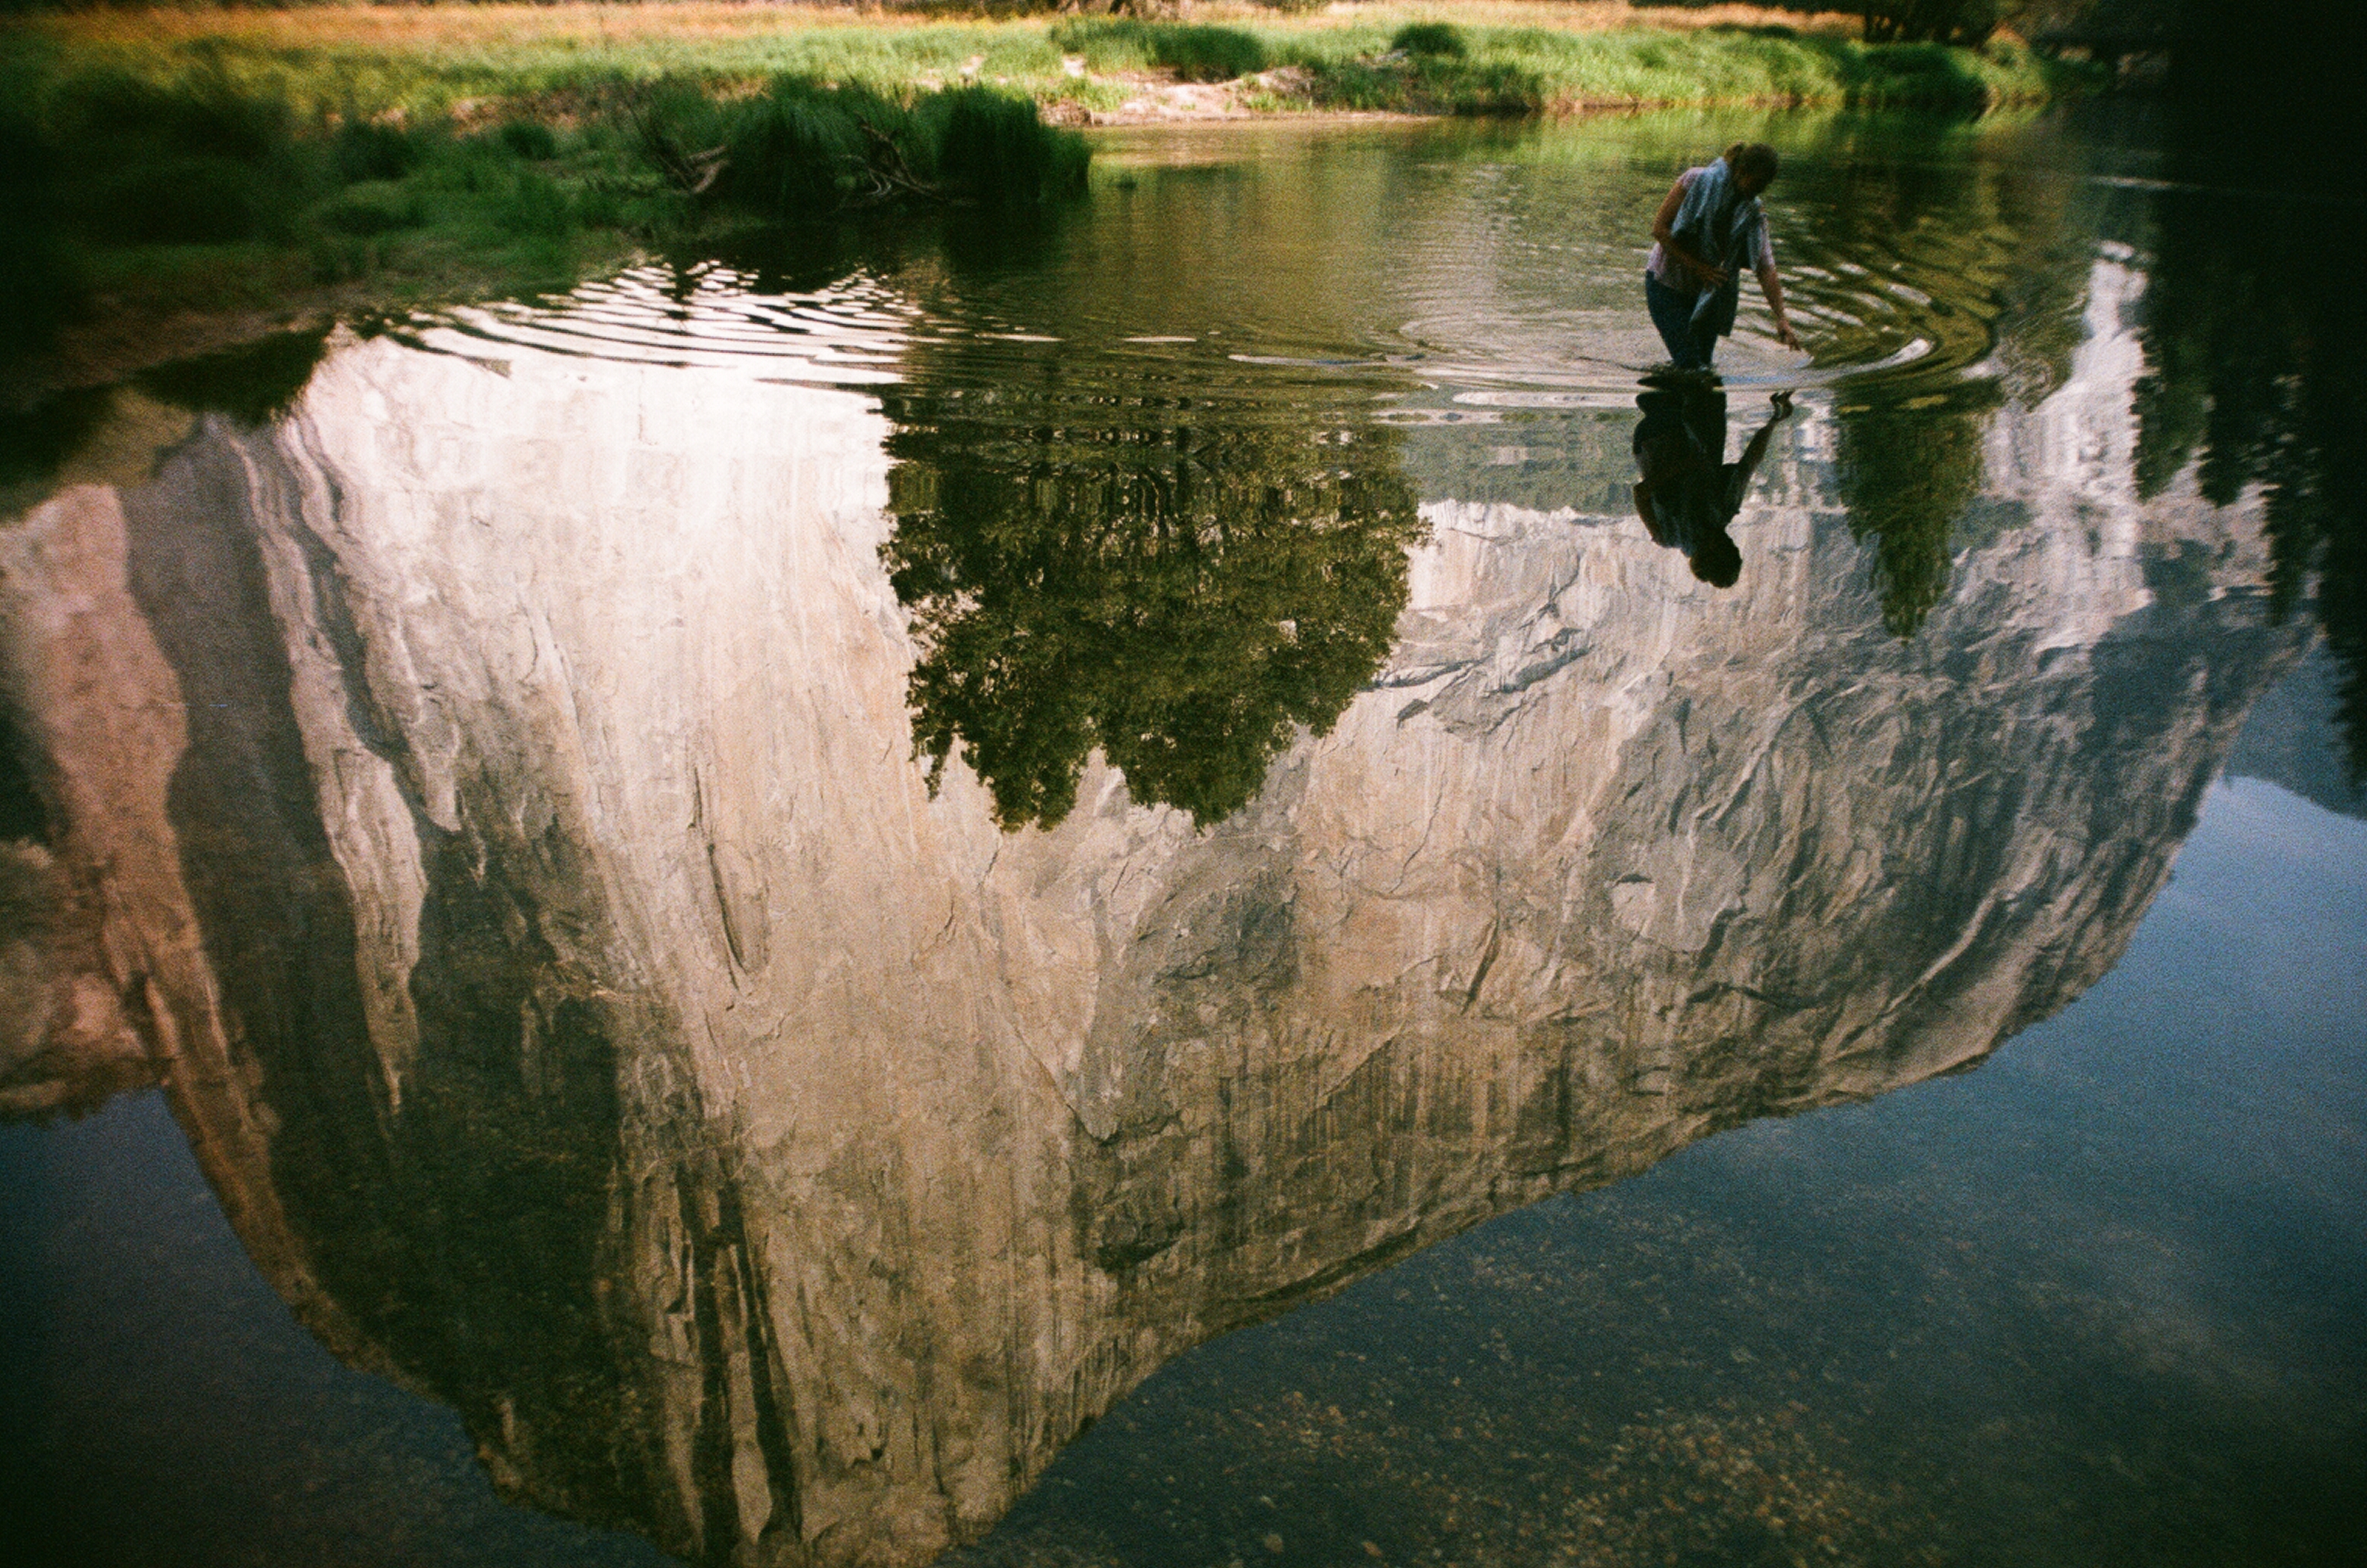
(1154, 99)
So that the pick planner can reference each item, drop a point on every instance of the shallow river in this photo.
(1192, 884)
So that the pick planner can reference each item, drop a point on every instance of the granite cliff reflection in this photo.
(590, 1016)
(490, 793)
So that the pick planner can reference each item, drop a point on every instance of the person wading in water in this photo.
(1706, 233)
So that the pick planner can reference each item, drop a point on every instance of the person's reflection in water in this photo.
(1686, 496)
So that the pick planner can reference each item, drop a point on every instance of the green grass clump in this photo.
(1442, 39)
(366, 151)
(530, 139)
(805, 147)
(373, 207)
(136, 162)
(1194, 53)
(991, 147)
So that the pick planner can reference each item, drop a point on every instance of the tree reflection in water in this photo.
(1929, 203)
(1177, 585)
(1909, 473)
(2254, 356)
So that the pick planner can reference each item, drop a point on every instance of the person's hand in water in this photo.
(1773, 287)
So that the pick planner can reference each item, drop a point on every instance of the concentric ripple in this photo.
(1428, 276)
(851, 333)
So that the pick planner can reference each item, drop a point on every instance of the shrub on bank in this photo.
(991, 147)
(804, 147)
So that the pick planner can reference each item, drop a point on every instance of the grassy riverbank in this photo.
(205, 201)
(1501, 57)
(182, 176)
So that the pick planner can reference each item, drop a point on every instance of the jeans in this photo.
(1673, 314)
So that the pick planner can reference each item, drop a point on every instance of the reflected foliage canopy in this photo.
(1910, 466)
(1176, 586)
(2256, 375)
(1909, 474)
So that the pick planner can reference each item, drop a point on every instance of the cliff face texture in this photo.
(490, 796)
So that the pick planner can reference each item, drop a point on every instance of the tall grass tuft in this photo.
(991, 147)
(530, 139)
(804, 147)
(1194, 53)
(1443, 39)
(44, 281)
(193, 162)
(364, 150)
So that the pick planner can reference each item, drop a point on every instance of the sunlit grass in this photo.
(584, 25)
(424, 61)
(428, 61)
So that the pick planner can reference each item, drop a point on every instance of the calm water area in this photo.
(1119, 889)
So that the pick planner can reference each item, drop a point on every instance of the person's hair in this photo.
(1718, 561)
(1752, 159)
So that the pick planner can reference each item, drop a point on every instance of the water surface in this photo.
(771, 882)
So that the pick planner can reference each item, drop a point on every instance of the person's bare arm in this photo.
(1773, 287)
(1669, 243)
(1738, 475)
(1777, 414)
(1643, 494)
(1757, 450)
